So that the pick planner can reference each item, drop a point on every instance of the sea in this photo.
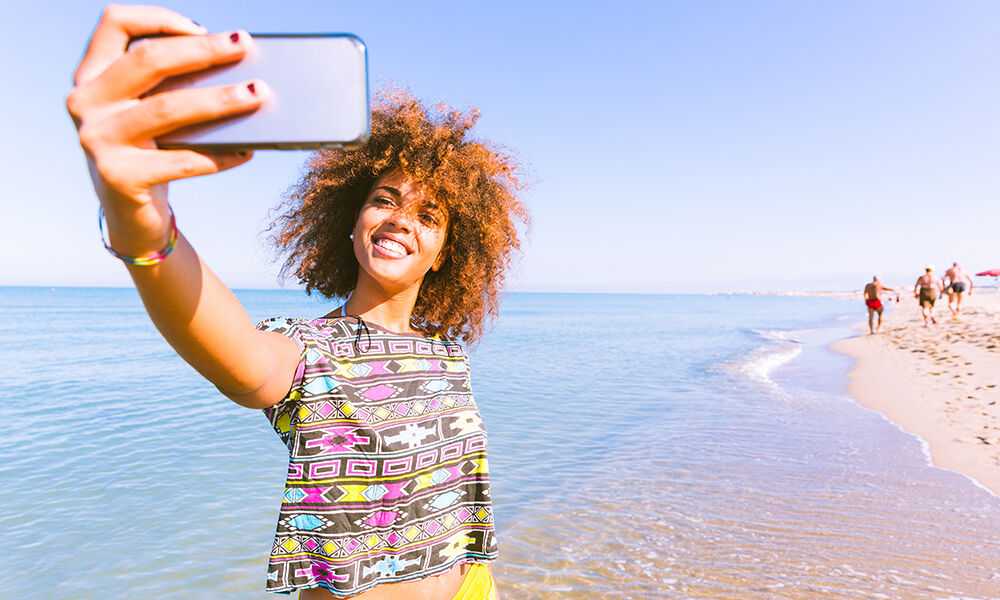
(641, 446)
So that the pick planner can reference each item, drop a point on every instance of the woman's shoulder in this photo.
(431, 337)
(297, 327)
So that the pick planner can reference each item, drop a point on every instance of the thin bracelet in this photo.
(145, 261)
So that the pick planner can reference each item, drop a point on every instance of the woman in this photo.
(387, 493)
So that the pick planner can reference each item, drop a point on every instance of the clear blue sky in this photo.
(673, 146)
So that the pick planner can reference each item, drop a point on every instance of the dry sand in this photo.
(941, 382)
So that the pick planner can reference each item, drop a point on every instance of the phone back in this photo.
(320, 96)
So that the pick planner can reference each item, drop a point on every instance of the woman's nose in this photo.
(403, 218)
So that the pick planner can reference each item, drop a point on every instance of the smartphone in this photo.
(319, 98)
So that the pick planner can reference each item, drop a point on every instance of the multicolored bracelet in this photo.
(145, 261)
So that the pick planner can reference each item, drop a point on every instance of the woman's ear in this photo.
(441, 257)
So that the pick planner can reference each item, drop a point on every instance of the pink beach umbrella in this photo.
(994, 273)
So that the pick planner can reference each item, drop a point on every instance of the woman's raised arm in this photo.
(194, 311)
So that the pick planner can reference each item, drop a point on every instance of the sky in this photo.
(670, 147)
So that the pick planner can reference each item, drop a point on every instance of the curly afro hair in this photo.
(474, 182)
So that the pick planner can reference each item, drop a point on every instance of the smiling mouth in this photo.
(391, 247)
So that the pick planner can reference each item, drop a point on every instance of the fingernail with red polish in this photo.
(234, 38)
(252, 88)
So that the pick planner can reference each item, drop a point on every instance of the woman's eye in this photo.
(429, 219)
(382, 201)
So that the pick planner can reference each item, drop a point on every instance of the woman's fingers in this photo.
(181, 164)
(117, 26)
(132, 172)
(150, 61)
(117, 127)
(168, 111)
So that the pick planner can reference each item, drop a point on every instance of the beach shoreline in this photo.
(940, 383)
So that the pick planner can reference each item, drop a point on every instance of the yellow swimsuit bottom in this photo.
(477, 585)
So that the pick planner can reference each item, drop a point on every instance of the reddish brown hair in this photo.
(475, 183)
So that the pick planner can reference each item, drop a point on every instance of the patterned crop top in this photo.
(387, 474)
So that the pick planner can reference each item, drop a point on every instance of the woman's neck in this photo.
(376, 305)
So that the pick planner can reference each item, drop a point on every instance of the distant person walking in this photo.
(874, 303)
(926, 292)
(953, 282)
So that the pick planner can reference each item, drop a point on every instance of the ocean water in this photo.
(640, 447)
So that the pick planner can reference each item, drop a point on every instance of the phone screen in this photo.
(319, 99)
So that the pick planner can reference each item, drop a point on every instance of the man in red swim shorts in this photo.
(874, 304)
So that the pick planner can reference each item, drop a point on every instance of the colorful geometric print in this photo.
(388, 478)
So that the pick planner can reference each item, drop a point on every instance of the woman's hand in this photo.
(117, 127)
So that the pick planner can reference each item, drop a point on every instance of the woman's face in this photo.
(400, 233)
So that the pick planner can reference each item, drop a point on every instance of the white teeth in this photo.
(391, 245)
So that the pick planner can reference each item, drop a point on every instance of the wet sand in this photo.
(940, 382)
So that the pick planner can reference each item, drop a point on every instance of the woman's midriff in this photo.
(436, 587)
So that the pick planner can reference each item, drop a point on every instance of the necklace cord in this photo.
(368, 333)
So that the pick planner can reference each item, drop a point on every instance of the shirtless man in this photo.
(954, 283)
(874, 304)
(926, 292)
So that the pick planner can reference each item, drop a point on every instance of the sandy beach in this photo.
(941, 382)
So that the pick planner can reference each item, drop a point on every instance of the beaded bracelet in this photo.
(145, 261)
